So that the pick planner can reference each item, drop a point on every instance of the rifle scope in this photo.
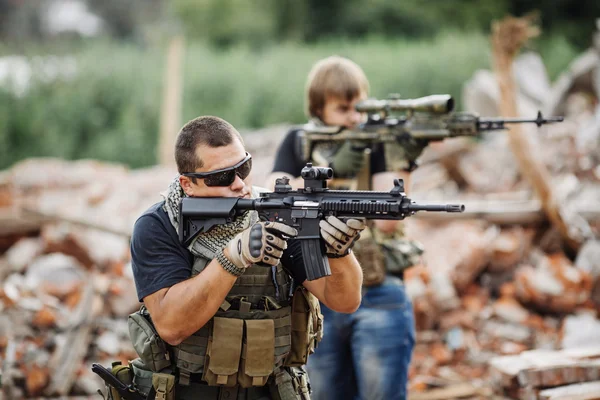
(317, 173)
(436, 104)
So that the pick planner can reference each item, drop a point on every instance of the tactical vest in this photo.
(261, 327)
(247, 338)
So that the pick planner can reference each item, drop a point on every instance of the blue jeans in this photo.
(365, 355)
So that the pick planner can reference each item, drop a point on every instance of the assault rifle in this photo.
(422, 120)
(303, 209)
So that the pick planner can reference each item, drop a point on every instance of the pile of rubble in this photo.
(503, 305)
(67, 287)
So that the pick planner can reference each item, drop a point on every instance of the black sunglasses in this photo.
(225, 176)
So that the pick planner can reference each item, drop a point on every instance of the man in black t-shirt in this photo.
(222, 307)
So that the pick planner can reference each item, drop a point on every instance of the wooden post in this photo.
(507, 38)
(170, 116)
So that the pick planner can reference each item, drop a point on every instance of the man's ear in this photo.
(186, 185)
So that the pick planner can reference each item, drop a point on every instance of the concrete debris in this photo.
(580, 330)
(527, 317)
(553, 284)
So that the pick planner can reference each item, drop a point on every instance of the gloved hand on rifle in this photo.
(340, 235)
(262, 243)
(411, 150)
(348, 160)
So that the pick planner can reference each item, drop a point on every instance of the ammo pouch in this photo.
(148, 345)
(370, 257)
(307, 327)
(164, 386)
(245, 349)
(223, 352)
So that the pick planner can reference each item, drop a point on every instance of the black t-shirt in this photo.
(159, 260)
(289, 161)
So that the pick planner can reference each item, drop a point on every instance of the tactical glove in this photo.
(348, 160)
(262, 243)
(411, 150)
(340, 236)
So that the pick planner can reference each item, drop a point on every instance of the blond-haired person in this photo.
(365, 354)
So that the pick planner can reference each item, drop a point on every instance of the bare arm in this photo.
(340, 291)
(383, 182)
(182, 309)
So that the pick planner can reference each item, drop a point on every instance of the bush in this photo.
(110, 110)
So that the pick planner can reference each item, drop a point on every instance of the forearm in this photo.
(343, 287)
(189, 305)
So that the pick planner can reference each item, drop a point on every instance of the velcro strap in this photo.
(225, 305)
(284, 340)
(189, 357)
(284, 321)
(253, 280)
(245, 306)
(196, 341)
(184, 377)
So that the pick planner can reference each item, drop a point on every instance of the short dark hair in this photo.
(206, 130)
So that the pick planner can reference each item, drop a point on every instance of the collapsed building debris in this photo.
(523, 321)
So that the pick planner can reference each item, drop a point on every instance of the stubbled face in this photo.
(341, 112)
(218, 158)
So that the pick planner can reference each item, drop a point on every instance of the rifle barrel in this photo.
(539, 120)
(451, 208)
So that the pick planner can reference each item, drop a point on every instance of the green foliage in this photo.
(572, 20)
(111, 109)
(127, 19)
(251, 89)
(228, 22)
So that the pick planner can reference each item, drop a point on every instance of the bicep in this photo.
(153, 301)
(317, 288)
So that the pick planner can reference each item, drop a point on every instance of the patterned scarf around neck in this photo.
(207, 244)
